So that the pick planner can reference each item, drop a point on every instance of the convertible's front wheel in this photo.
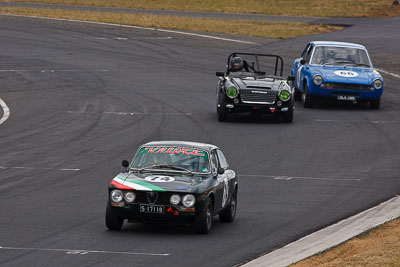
(113, 221)
(222, 112)
(203, 223)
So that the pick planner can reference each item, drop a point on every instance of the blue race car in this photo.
(336, 70)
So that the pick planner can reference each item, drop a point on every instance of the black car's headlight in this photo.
(284, 95)
(232, 92)
(116, 195)
(188, 200)
(129, 197)
(175, 199)
(377, 84)
(317, 79)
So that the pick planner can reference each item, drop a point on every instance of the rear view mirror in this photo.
(291, 78)
(220, 74)
(125, 163)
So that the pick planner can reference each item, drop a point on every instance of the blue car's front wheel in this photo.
(306, 97)
(375, 104)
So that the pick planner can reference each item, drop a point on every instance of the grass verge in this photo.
(378, 247)
(281, 30)
(318, 8)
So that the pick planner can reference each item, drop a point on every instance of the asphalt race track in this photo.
(83, 97)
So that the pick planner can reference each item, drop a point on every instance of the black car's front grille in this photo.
(348, 86)
(258, 97)
(152, 197)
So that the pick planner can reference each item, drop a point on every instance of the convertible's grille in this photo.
(348, 86)
(152, 197)
(258, 98)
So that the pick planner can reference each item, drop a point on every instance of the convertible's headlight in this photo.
(116, 195)
(129, 197)
(378, 84)
(317, 79)
(284, 95)
(188, 201)
(175, 199)
(232, 92)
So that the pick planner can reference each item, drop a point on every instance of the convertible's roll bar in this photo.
(278, 59)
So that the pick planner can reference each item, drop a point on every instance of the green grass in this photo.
(319, 8)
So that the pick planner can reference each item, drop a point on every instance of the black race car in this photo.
(173, 181)
(253, 83)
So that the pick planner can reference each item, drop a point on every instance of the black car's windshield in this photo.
(334, 55)
(172, 158)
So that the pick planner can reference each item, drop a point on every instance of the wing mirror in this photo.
(221, 170)
(291, 78)
(220, 74)
(125, 163)
(302, 61)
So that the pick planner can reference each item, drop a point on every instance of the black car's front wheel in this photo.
(203, 223)
(113, 221)
(222, 112)
(229, 213)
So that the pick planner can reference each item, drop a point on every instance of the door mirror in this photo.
(291, 78)
(302, 61)
(220, 74)
(125, 163)
(221, 170)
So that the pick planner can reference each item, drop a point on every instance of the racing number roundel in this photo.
(346, 73)
(159, 179)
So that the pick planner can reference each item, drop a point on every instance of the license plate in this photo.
(346, 97)
(151, 209)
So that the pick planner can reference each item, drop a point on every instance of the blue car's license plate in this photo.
(151, 209)
(346, 97)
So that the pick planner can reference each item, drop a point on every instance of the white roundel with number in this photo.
(159, 179)
(346, 73)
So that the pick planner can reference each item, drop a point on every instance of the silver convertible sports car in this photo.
(253, 83)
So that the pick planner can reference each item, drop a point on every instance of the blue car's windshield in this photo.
(333, 55)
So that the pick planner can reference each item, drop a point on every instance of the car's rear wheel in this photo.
(113, 221)
(375, 104)
(229, 213)
(306, 97)
(203, 223)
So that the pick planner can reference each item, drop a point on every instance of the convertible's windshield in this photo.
(190, 159)
(333, 55)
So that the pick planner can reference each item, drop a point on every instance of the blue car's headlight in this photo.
(377, 84)
(317, 79)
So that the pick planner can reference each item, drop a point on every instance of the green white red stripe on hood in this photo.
(133, 184)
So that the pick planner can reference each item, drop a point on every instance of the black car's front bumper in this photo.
(272, 109)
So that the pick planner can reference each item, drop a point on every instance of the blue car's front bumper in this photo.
(334, 90)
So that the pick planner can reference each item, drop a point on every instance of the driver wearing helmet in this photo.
(238, 64)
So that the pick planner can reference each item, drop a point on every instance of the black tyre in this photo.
(306, 97)
(375, 104)
(288, 116)
(222, 112)
(113, 221)
(229, 213)
(203, 223)
(297, 94)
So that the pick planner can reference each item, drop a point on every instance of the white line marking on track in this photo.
(6, 111)
(50, 70)
(138, 27)
(84, 252)
(33, 168)
(372, 121)
(388, 73)
(287, 178)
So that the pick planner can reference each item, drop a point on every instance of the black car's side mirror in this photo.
(291, 78)
(302, 61)
(125, 163)
(220, 74)
(221, 170)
